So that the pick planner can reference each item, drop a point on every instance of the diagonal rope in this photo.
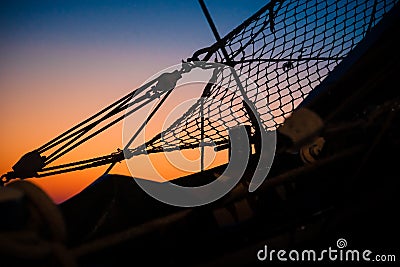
(286, 48)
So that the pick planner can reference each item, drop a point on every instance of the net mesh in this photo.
(280, 54)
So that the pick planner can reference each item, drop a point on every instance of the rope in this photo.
(279, 55)
(45, 234)
(286, 49)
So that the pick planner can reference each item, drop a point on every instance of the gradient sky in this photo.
(62, 61)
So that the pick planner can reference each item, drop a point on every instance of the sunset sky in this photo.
(62, 61)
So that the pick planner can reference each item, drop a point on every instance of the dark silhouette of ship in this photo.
(343, 184)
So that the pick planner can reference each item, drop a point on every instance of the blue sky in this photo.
(62, 61)
(119, 24)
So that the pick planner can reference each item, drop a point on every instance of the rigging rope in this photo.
(286, 48)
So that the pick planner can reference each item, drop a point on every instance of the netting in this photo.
(286, 49)
(278, 56)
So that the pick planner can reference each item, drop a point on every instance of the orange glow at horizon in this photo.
(60, 63)
(51, 99)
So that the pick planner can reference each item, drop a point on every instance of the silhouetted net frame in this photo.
(279, 54)
(285, 49)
